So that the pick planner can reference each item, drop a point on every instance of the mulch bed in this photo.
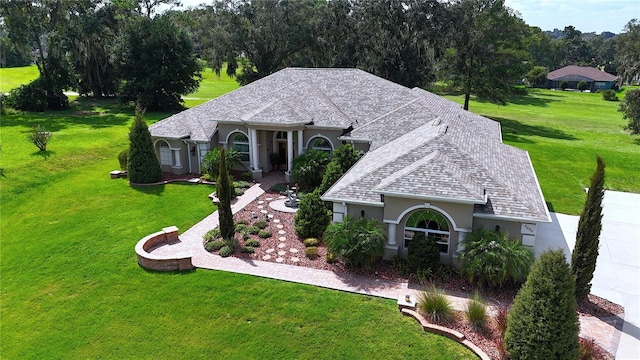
(486, 339)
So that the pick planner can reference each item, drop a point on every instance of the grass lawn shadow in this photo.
(44, 154)
(550, 206)
(150, 189)
(516, 131)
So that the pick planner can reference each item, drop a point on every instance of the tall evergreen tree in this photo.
(144, 166)
(585, 253)
(312, 217)
(543, 322)
(224, 189)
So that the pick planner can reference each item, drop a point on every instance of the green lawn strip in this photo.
(563, 132)
(213, 85)
(11, 78)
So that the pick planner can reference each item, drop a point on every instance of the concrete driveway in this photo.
(617, 275)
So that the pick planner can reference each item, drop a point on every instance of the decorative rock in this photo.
(293, 250)
(279, 260)
(281, 245)
(269, 199)
(281, 232)
(276, 220)
(282, 238)
(282, 253)
(295, 259)
(263, 211)
(269, 251)
(282, 197)
(270, 216)
(266, 257)
(260, 202)
(259, 206)
(279, 226)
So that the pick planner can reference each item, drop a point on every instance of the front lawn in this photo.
(563, 132)
(71, 287)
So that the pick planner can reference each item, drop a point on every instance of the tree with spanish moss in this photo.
(585, 253)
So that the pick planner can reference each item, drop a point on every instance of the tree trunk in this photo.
(466, 100)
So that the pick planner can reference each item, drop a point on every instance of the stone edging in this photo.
(441, 330)
(180, 261)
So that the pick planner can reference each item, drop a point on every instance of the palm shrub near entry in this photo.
(312, 217)
(493, 259)
(144, 166)
(423, 253)
(309, 168)
(543, 323)
(342, 159)
(585, 253)
(211, 161)
(358, 242)
(224, 191)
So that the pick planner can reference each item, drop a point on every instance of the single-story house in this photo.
(596, 79)
(428, 166)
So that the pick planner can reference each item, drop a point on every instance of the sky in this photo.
(585, 15)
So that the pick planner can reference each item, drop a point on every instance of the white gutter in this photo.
(506, 217)
(354, 202)
(433, 198)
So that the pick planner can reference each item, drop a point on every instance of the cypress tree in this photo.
(585, 253)
(224, 189)
(543, 322)
(143, 167)
(312, 217)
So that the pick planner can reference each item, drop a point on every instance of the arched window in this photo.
(240, 143)
(320, 143)
(433, 224)
(165, 154)
(281, 135)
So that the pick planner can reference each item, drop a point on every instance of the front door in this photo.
(282, 154)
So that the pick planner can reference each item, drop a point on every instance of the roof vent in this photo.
(443, 129)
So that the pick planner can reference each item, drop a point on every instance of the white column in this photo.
(289, 150)
(391, 240)
(462, 235)
(253, 151)
(300, 141)
(176, 156)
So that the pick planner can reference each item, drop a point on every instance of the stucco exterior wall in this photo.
(511, 227)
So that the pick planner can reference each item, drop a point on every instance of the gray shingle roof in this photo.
(577, 73)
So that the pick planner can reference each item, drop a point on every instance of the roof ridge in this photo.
(386, 114)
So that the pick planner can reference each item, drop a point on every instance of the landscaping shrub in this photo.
(312, 217)
(238, 192)
(401, 265)
(144, 166)
(241, 227)
(332, 258)
(264, 234)
(630, 109)
(582, 85)
(123, 159)
(309, 167)
(587, 349)
(40, 137)
(245, 235)
(253, 243)
(212, 234)
(311, 242)
(502, 314)
(37, 96)
(609, 95)
(214, 245)
(476, 312)
(436, 306)
(253, 230)
(241, 184)
(423, 253)
(543, 323)
(242, 221)
(225, 251)
(311, 252)
(493, 259)
(261, 224)
(342, 159)
(564, 84)
(224, 189)
(358, 242)
(248, 250)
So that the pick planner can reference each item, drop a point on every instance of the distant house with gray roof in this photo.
(428, 165)
(596, 79)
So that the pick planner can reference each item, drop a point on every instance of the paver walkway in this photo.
(606, 333)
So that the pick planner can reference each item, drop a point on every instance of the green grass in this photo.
(11, 78)
(563, 132)
(71, 287)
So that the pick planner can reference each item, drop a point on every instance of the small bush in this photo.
(214, 245)
(242, 221)
(238, 192)
(241, 184)
(241, 227)
(424, 276)
(212, 234)
(245, 235)
(423, 253)
(253, 230)
(332, 258)
(609, 95)
(226, 251)
(261, 224)
(232, 243)
(311, 252)
(311, 242)
(582, 85)
(264, 234)
(477, 313)
(501, 320)
(435, 305)
(248, 250)
(587, 349)
(359, 242)
(123, 159)
(253, 243)
(400, 264)
(312, 217)
(564, 84)
(40, 137)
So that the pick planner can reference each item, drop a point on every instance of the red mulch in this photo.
(455, 285)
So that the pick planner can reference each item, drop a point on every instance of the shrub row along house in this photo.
(428, 165)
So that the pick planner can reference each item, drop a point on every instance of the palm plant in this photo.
(358, 242)
(211, 161)
(309, 168)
